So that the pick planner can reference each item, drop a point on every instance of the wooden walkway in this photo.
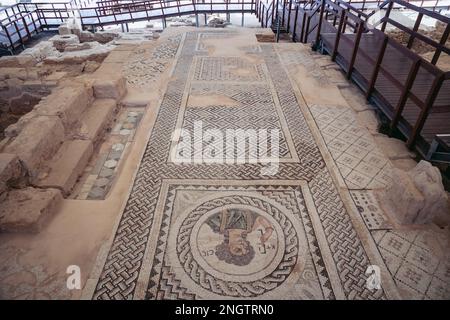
(390, 82)
(18, 23)
(411, 92)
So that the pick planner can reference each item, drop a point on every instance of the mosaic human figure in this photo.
(235, 225)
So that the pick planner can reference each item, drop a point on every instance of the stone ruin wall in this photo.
(55, 109)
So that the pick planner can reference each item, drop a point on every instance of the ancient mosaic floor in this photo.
(219, 231)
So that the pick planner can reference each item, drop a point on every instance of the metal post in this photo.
(295, 24)
(277, 21)
(319, 27)
(289, 15)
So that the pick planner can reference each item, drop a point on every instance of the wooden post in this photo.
(273, 11)
(305, 32)
(437, 83)
(9, 38)
(376, 69)
(18, 33)
(294, 32)
(416, 27)
(386, 17)
(405, 93)
(338, 35)
(355, 49)
(26, 27)
(319, 27)
(444, 38)
(289, 16)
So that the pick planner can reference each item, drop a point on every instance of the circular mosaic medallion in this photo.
(239, 246)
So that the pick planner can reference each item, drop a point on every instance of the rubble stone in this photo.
(417, 196)
(86, 36)
(9, 72)
(91, 66)
(97, 52)
(216, 22)
(104, 36)
(64, 29)
(78, 47)
(61, 42)
(40, 51)
(12, 173)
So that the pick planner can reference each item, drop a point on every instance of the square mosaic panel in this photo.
(255, 110)
(419, 261)
(360, 162)
(227, 69)
(233, 240)
(201, 36)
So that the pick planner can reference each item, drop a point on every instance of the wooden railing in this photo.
(20, 21)
(411, 91)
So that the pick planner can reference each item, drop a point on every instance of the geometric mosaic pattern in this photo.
(352, 147)
(418, 261)
(255, 109)
(251, 223)
(370, 211)
(227, 69)
(143, 68)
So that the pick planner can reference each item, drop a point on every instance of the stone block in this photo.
(20, 61)
(67, 165)
(14, 129)
(64, 29)
(61, 42)
(78, 47)
(105, 36)
(67, 103)
(110, 88)
(39, 139)
(12, 173)
(86, 36)
(11, 73)
(91, 66)
(97, 119)
(40, 51)
(55, 76)
(29, 209)
(97, 52)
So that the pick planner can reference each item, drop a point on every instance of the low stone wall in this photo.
(63, 109)
(46, 151)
